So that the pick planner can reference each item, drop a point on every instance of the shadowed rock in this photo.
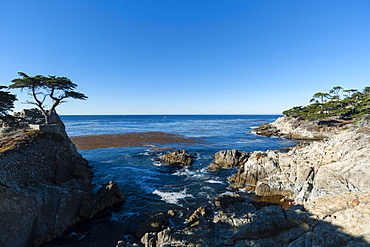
(155, 223)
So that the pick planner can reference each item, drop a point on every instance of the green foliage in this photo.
(6, 101)
(41, 88)
(352, 104)
(321, 96)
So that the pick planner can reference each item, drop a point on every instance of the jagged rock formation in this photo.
(228, 159)
(178, 158)
(45, 184)
(337, 165)
(242, 225)
(302, 129)
(330, 171)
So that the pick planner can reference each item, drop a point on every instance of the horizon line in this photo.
(172, 114)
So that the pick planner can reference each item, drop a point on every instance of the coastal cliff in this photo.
(45, 184)
(325, 184)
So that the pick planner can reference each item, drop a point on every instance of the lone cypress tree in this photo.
(41, 88)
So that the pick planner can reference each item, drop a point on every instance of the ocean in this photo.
(149, 186)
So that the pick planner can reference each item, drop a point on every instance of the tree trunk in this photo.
(46, 116)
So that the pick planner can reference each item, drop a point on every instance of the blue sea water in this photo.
(149, 186)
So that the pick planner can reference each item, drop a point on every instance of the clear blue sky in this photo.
(188, 56)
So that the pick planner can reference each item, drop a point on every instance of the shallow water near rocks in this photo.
(152, 187)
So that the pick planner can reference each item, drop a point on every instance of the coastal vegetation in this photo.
(6, 101)
(338, 102)
(42, 88)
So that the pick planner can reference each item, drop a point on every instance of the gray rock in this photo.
(229, 159)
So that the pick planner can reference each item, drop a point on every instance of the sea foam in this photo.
(172, 197)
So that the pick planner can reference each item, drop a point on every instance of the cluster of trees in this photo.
(42, 89)
(6, 101)
(339, 102)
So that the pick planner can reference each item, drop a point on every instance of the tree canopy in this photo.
(6, 101)
(353, 103)
(42, 88)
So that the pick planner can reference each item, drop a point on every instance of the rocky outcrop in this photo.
(177, 158)
(108, 195)
(228, 159)
(24, 120)
(243, 225)
(45, 186)
(302, 129)
(225, 201)
(155, 223)
(196, 217)
(330, 178)
(337, 165)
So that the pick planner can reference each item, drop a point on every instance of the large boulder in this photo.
(228, 159)
(178, 158)
(108, 195)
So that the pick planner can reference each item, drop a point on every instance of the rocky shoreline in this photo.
(301, 129)
(325, 184)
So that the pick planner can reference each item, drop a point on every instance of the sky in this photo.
(187, 56)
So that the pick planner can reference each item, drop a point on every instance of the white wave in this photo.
(108, 161)
(172, 197)
(184, 172)
(227, 193)
(147, 152)
(211, 181)
(198, 174)
(157, 162)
